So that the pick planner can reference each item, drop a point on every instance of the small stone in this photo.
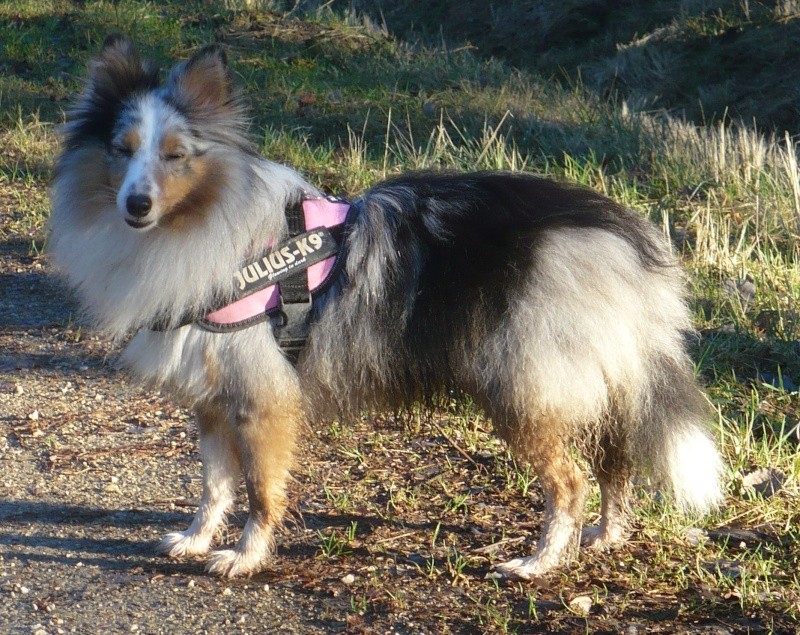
(20, 390)
(266, 587)
(34, 416)
(227, 591)
(581, 605)
(191, 584)
(24, 590)
(349, 579)
(730, 569)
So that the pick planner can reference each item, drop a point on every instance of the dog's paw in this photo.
(528, 568)
(182, 544)
(230, 563)
(602, 538)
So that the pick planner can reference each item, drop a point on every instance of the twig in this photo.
(456, 446)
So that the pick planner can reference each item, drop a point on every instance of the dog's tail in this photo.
(674, 436)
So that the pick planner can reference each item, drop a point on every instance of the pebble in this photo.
(349, 578)
(34, 416)
(227, 591)
(581, 605)
(695, 535)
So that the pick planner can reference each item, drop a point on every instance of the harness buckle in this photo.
(291, 323)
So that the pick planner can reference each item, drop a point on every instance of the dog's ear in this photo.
(116, 74)
(204, 82)
(118, 71)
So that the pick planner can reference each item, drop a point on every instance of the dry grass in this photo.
(415, 506)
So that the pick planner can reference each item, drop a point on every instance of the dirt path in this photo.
(92, 473)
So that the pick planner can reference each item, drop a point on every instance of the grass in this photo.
(706, 60)
(347, 103)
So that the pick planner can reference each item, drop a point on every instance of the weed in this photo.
(332, 546)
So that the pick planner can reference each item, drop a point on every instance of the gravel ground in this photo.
(92, 472)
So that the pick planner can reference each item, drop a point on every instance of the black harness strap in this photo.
(291, 325)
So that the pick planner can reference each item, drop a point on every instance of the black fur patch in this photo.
(466, 246)
(117, 75)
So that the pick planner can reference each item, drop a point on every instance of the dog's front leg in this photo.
(220, 477)
(265, 438)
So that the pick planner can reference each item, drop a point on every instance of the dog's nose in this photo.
(138, 205)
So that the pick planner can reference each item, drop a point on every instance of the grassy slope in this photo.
(705, 60)
(348, 104)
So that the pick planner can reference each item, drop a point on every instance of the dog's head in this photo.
(164, 145)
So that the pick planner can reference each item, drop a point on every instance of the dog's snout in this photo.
(138, 205)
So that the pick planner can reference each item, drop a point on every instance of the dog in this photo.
(558, 311)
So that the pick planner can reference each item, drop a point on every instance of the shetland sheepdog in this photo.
(558, 311)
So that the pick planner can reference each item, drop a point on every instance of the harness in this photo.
(281, 282)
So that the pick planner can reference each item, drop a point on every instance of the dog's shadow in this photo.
(70, 534)
(126, 540)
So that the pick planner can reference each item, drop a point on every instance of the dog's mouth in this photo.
(138, 224)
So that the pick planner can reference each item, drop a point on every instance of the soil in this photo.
(396, 521)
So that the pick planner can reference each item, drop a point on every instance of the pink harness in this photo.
(318, 213)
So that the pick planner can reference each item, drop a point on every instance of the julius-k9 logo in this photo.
(276, 264)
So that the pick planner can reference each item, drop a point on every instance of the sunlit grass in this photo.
(338, 98)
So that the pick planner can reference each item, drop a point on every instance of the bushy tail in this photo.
(674, 440)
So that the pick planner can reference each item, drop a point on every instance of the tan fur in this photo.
(130, 140)
(190, 191)
(171, 145)
(205, 84)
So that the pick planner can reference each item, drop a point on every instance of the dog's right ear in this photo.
(116, 74)
(118, 71)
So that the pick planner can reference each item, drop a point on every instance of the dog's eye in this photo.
(123, 151)
(175, 156)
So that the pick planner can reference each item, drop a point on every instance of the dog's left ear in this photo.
(204, 82)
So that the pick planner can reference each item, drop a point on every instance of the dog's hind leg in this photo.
(564, 486)
(613, 468)
(265, 438)
(220, 476)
